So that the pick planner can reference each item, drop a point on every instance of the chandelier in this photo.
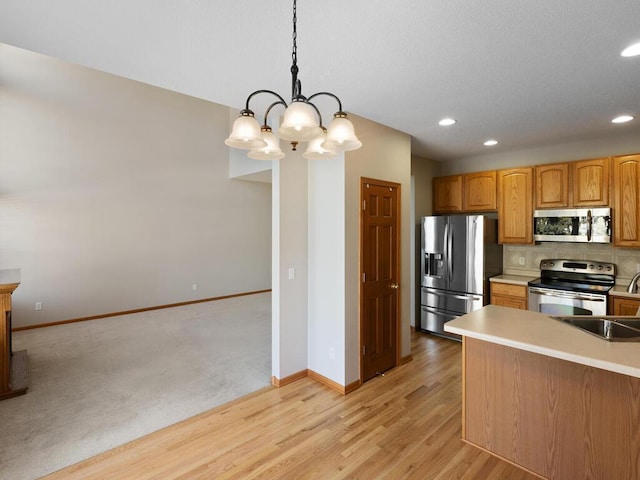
(302, 122)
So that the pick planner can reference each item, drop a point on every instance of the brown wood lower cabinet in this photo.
(624, 306)
(509, 295)
(558, 419)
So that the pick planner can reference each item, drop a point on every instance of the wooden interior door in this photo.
(380, 240)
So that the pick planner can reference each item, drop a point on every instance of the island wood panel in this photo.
(558, 419)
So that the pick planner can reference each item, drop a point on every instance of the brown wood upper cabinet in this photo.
(472, 192)
(479, 192)
(584, 183)
(591, 182)
(626, 200)
(515, 205)
(552, 185)
(447, 194)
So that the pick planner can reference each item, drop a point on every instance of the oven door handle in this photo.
(570, 296)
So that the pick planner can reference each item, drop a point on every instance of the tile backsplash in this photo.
(525, 259)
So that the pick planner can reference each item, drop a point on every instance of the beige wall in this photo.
(115, 195)
(385, 155)
(327, 320)
(289, 299)
(422, 173)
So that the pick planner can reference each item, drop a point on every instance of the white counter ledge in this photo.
(621, 291)
(537, 333)
(513, 279)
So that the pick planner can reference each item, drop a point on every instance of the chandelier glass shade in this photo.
(302, 122)
(316, 150)
(272, 149)
(341, 135)
(246, 133)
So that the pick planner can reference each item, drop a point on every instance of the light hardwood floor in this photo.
(406, 424)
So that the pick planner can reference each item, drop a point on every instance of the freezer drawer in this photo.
(433, 320)
(452, 301)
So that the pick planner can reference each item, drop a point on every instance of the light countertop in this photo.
(538, 333)
(512, 279)
(618, 290)
(621, 291)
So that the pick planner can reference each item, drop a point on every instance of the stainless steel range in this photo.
(572, 287)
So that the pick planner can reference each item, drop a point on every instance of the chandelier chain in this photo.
(295, 83)
(294, 53)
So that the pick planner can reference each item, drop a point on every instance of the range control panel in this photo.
(577, 266)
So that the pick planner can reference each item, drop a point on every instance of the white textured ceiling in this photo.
(527, 73)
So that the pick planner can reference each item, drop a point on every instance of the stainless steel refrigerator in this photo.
(459, 253)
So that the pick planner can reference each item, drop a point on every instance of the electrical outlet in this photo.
(520, 260)
(194, 287)
(38, 305)
(292, 273)
(332, 353)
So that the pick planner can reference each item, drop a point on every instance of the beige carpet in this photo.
(98, 384)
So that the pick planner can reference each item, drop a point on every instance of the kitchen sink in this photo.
(613, 329)
(629, 322)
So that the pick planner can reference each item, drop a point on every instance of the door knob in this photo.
(394, 286)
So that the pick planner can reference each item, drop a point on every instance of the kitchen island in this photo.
(548, 397)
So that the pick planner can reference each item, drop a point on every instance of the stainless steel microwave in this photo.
(591, 225)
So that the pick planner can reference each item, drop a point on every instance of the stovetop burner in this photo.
(576, 275)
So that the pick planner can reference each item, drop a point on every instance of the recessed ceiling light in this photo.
(491, 143)
(631, 50)
(445, 122)
(622, 119)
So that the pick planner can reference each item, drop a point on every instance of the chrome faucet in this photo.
(633, 286)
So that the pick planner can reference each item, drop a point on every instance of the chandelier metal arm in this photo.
(266, 114)
(281, 100)
(317, 111)
(330, 95)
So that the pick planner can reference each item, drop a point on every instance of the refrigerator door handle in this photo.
(471, 252)
(446, 248)
(449, 236)
(452, 295)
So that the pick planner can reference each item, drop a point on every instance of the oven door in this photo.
(560, 302)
